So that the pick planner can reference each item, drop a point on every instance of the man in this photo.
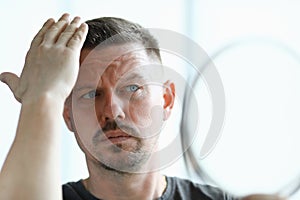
(116, 111)
(117, 107)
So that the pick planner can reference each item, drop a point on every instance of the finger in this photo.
(78, 37)
(54, 31)
(40, 35)
(68, 32)
(12, 81)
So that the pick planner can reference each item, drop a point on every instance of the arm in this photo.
(31, 169)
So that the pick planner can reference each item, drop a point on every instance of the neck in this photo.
(109, 184)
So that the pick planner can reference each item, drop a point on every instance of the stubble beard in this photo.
(127, 160)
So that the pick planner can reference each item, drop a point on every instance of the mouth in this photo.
(116, 136)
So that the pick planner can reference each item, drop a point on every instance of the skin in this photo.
(49, 74)
(44, 83)
(122, 90)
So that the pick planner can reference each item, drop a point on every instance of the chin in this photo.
(124, 161)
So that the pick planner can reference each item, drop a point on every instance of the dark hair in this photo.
(103, 29)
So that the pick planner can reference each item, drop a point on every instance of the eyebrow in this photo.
(133, 76)
(84, 87)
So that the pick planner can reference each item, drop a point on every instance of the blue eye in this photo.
(132, 88)
(90, 95)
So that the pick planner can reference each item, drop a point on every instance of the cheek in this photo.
(85, 121)
(140, 112)
(147, 116)
(86, 115)
(85, 111)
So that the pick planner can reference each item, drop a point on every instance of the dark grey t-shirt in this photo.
(177, 189)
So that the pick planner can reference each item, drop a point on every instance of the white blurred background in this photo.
(213, 24)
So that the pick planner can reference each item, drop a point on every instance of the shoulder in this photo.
(76, 191)
(70, 191)
(185, 189)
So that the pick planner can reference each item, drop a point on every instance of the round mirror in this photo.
(257, 151)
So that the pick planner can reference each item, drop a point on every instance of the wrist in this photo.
(46, 98)
(40, 116)
(43, 105)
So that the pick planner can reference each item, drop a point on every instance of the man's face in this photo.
(119, 104)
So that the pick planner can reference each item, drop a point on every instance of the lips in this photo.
(116, 136)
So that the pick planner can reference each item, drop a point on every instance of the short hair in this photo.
(103, 29)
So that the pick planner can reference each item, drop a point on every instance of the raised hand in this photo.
(52, 62)
(31, 169)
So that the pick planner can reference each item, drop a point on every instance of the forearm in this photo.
(32, 168)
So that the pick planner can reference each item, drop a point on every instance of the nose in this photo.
(110, 108)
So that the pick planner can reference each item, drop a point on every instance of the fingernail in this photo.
(51, 20)
(65, 16)
(76, 19)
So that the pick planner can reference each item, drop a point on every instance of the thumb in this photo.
(12, 81)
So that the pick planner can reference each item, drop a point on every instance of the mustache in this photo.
(110, 125)
(117, 125)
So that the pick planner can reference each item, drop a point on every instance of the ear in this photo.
(67, 114)
(169, 98)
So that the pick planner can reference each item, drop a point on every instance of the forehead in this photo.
(118, 60)
(111, 52)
